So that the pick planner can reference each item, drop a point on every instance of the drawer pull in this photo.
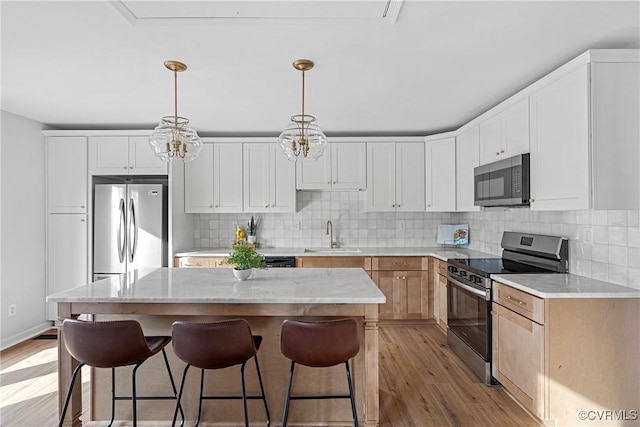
(516, 301)
(401, 263)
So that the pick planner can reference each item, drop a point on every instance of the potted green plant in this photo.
(252, 228)
(244, 259)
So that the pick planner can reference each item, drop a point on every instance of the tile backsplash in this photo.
(604, 245)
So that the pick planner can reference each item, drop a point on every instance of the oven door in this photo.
(468, 310)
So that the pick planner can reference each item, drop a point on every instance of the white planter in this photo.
(251, 239)
(242, 274)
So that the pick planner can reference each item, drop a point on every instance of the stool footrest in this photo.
(230, 397)
(324, 396)
(145, 398)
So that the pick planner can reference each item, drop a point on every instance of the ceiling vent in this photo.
(178, 12)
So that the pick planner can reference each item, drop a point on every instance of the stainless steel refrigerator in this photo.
(129, 228)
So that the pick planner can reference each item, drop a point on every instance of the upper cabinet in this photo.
(505, 134)
(67, 174)
(269, 179)
(213, 180)
(467, 158)
(440, 174)
(343, 166)
(584, 139)
(123, 155)
(395, 177)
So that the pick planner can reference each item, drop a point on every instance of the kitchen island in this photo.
(157, 297)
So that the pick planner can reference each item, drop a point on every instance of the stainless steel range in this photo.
(469, 291)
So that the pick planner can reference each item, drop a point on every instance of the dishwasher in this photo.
(280, 261)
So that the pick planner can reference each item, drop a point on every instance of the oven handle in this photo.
(471, 289)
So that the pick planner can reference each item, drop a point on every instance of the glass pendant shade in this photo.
(171, 140)
(308, 144)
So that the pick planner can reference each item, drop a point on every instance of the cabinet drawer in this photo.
(193, 262)
(442, 268)
(521, 302)
(400, 263)
(332, 262)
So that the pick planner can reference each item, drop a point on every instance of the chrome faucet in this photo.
(332, 243)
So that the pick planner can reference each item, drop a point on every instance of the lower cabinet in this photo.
(200, 262)
(334, 262)
(439, 275)
(405, 283)
(568, 360)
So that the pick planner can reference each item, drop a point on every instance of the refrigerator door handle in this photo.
(132, 231)
(121, 227)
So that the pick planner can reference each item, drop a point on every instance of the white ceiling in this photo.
(426, 67)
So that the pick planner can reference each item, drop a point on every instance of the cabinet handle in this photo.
(124, 167)
(82, 220)
(130, 167)
(334, 182)
(398, 206)
(497, 153)
(404, 277)
(517, 301)
(328, 182)
(494, 313)
(400, 263)
(393, 206)
(501, 151)
(191, 265)
(81, 206)
(532, 200)
(210, 206)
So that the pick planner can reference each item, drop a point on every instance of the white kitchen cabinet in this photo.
(67, 254)
(123, 155)
(505, 134)
(67, 174)
(269, 179)
(467, 158)
(395, 177)
(343, 166)
(213, 180)
(584, 139)
(440, 174)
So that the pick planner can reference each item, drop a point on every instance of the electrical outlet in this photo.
(13, 310)
(295, 225)
(401, 225)
(587, 235)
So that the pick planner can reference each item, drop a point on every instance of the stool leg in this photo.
(200, 403)
(66, 400)
(351, 396)
(285, 414)
(264, 397)
(175, 412)
(134, 400)
(113, 396)
(244, 395)
(173, 384)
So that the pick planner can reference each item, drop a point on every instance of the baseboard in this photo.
(24, 335)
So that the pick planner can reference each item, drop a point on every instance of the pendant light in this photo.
(303, 136)
(173, 137)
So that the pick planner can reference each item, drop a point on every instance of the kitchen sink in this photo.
(333, 250)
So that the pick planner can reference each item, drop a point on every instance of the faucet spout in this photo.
(329, 231)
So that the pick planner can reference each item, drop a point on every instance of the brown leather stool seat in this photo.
(320, 344)
(217, 345)
(110, 345)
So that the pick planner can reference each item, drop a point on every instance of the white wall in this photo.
(22, 229)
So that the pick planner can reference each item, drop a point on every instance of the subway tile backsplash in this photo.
(603, 245)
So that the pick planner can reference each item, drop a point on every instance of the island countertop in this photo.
(217, 285)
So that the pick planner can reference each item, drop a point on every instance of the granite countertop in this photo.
(565, 286)
(218, 285)
(440, 252)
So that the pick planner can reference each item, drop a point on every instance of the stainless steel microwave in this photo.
(502, 183)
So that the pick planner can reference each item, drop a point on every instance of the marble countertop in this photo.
(218, 285)
(565, 286)
(440, 252)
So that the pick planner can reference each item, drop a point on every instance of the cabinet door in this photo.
(142, 159)
(406, 293)
(467, 158)
(441, 284)
(440, 170)
(559, 159)
(67, 174)
(67, 254)
(198, 182)
(381, 177)
(490, 140)
(386, 281)
(109, 155)
(227, 177)
(518, 357)
(282, 174)
(256, 179)
(316, 175)
(410, 177)
(515, 129)
(349, 166)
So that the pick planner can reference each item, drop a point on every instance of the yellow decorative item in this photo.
(239, 234)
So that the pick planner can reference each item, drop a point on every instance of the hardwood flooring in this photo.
(422, 384)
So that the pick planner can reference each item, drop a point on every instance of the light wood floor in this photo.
(422, 384)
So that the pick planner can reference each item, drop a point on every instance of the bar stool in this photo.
(217, 345)
(320, 344)
(113, 344)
